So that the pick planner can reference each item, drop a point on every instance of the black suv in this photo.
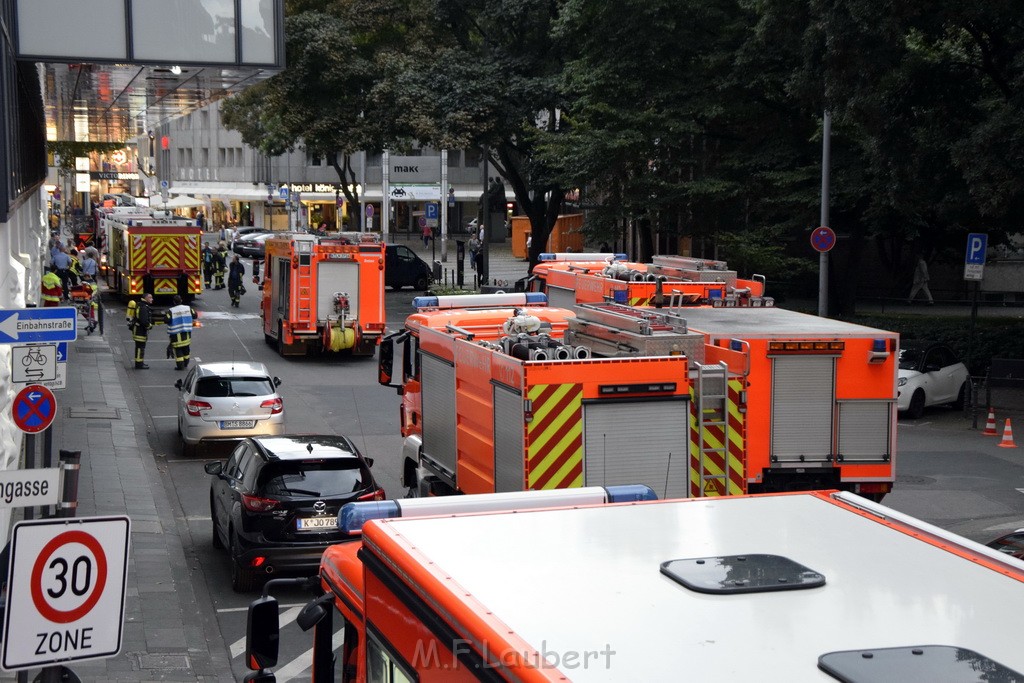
(275, 502)
(403, 268)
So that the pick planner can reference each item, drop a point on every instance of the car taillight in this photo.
(276, 405)
(194, 408)
(372, 495)
(257, 504)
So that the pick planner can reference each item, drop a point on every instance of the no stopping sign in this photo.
(66, 586)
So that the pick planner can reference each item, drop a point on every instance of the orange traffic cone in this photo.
(990, 424)
(1007, 441)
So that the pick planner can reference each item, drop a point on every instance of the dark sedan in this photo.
(251, 246)
(275, 502)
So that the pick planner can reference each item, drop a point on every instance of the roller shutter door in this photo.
(509, 468)
(803, 390)
(334, 277)
(637, 443)
(560, 297)
(864, 430)
(438, 387)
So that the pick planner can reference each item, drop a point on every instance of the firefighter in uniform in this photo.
(220, 265)
(141, 322)
(179, 326)
(208, 264)
(52, 290)
(235, 287)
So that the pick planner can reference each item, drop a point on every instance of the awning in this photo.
(245, 191)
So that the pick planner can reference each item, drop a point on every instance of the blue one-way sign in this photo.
(56, 324)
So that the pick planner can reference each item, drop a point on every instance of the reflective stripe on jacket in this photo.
(179, 319)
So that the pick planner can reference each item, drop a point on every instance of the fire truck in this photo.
(323, 294)
(150, 254)
(603, 585)
(667, 281)
(773, 400)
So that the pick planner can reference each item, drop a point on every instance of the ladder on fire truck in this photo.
(304, 283)
(712, 406)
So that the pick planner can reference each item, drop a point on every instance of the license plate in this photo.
(238, 424)
(312, 523)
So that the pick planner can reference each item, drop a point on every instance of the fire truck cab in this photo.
(323, 294)
(595, 585)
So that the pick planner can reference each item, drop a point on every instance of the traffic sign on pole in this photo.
(66, 590)
(823, 239)
(33, 363)
(34, 408)
(28, 488)
(974, 259)
(19, 325)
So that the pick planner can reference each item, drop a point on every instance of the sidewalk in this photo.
(166, 612)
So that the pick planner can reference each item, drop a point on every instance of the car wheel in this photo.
(243, 579)
(217, 543)
(916, 409)
(961, 397)
(422, 283)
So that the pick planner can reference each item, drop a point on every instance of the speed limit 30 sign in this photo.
(66, 588)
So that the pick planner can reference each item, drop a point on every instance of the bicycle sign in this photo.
(34, 363)
(66, 591)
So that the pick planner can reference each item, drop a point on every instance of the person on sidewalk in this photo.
(179, 320)
(90, 269)
(427, 235)
(474, 247)
(235, 287)
(62, 262)
(141, 323)
(920, 282)
(52, 290)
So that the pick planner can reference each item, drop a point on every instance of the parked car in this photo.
(403, 268)
(227, 400)
(252, 245)
(250, 230)
(1012, 544)
(930, 374)
(274, 504)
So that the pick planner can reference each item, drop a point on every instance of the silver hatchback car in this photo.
(226, 401)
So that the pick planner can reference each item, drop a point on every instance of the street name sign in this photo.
(66, 590)
(33, 363)
(27, 488)
(20, 325)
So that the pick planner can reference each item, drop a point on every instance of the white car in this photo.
(228, 401)
(930, 374)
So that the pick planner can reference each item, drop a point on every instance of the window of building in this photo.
(313, 160)
(204, 120)
(189, 160)
(238, 156)
(181, 157)
(222, 157)
(454, 156)
(374, 158)
(473, 157)
(204, 157)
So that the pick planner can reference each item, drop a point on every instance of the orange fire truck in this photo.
(777, 401)
(603, 585)
(322, 294)
(156, 255)
(668, 281)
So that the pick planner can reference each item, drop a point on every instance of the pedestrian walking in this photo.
(220, 264)
(90, 269)
(474, 247)
(208, 268)
(179, 320)
(200, 220)
(921, 282)
(235, 287)
(427, 234)
(142, 321)
(52, 291)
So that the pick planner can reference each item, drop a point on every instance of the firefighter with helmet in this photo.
(220, 265)
(179, 319)
(141, 322)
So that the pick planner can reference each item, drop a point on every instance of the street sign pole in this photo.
(826, 163)
(974, 269)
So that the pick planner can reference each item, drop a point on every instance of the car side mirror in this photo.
(177, 384)
(369, 462)
(214, 468)
(931, 367)
(277, 381)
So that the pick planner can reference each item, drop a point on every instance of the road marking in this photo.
(164, 417)
(287, 617)
(227, 610)
(197, 518)
(224, 315)
(292, 669)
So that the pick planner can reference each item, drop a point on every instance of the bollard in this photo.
(71, 463)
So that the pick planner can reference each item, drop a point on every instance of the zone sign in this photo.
(65, 591)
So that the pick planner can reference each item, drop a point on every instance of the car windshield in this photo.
(910, 359)
(220, 387)
(322, 479)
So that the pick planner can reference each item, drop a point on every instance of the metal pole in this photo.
(826, 162)
(443, 201)
(385, 202)
(30, 463)
(485, 216)
(974, 320)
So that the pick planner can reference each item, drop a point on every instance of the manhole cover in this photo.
(103, 413)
